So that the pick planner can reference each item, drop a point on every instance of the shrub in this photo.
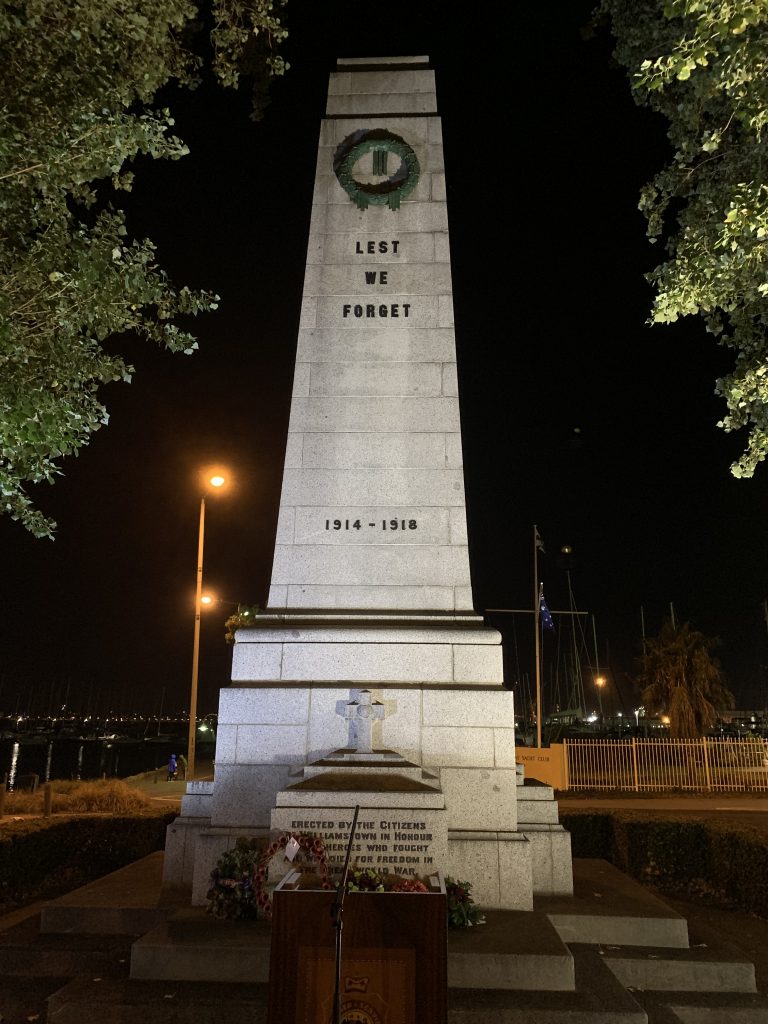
(679, 855)
(46, 857)
(102, 796)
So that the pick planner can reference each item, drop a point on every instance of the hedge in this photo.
(679, 855)
(42, 858)
(682, 856)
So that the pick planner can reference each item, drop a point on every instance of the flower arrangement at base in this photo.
(463, 912)
(408, 885)
(365, 880)
(231, 894)
(312, 846)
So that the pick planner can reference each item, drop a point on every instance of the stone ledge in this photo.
(309, 617)
(477, 836)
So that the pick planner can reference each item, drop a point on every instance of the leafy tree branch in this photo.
(77, 81)
(703, 65)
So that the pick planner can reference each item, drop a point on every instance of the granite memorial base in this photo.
(412, 820)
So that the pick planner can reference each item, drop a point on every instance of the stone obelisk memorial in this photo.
(370, 680)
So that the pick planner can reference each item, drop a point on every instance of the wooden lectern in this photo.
(394, 956)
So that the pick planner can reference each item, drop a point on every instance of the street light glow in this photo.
(213, 477)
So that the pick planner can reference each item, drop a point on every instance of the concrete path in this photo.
(160, 791)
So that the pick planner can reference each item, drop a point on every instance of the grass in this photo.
(102, 796)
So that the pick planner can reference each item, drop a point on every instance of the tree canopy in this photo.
(681, 678)
(77, 82)
(703, 64)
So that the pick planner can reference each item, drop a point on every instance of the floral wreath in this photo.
(312, 845)
(380, 143)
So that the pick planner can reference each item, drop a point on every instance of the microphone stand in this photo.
(337, 909)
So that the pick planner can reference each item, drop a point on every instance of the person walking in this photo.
(172, 768)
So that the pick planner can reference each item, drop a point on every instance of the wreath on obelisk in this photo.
(381, 143)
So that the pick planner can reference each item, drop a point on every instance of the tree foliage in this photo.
(77, 81)
(703, 64)
(681, 678)
(241, 619)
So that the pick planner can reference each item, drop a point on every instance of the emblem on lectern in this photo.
(360, 1013)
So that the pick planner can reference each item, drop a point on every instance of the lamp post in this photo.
(600, 683)
(216, 481)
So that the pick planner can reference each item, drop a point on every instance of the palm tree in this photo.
(682, 679)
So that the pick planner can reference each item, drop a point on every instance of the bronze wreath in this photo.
(397, 186)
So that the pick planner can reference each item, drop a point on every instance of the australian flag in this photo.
(545, 613)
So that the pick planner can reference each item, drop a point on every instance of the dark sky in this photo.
(576, 416)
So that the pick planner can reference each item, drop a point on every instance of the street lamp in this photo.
(600, 683)
(209, 600)
(216, 481)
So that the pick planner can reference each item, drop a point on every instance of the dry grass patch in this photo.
(102, 796)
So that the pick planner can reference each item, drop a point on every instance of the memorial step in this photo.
(126, 902)
(193, 946)
(599, 999)
(24, 999)
(703, 1007)
(518, 967)
(609, 908)
(157, 1002)
(25, 951)
(513, 950)
(709, 965)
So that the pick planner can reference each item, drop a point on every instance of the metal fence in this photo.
(703, 765)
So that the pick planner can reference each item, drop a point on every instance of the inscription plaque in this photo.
(394, 842)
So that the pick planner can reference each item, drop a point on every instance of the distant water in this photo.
(74, 758)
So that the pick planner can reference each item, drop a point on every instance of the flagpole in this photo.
(536, 611)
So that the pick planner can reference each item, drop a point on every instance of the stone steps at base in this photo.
(196, 947)
(537, 965)
(157, 1002)
(608, 907)
(703, 1008)
(25, 951)
(128, 901)
(710, 968)
(45, 963)
(513, 950)
(599, 999)
(24, 999)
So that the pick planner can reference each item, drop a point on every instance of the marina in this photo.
(41, 749)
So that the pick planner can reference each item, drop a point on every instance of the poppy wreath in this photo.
(386, 193)
(312, 845)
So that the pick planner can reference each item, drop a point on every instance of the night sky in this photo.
(575, 415)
